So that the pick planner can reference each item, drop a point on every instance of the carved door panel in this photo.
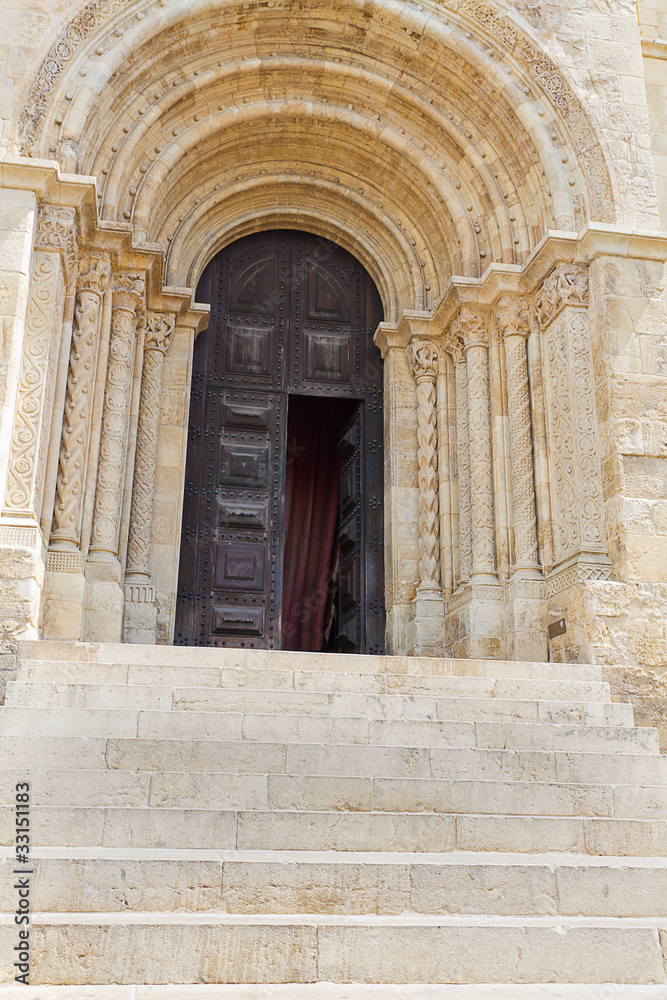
(290, 313)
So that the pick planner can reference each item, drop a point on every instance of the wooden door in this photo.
(291, 313)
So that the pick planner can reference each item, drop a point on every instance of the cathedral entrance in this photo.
(282, 539)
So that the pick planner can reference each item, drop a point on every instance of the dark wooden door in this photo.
(291, 313)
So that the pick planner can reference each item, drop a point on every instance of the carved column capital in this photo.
(94, 273)
(129, 288)
(159, 328)
(514, 316)
(423, 360)
(56, 231)
(471, 327)
(565, 285)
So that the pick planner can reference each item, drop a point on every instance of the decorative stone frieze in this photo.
(128, 290)
(56, 231)
(566, 285)
(92, 282)
(423, 358)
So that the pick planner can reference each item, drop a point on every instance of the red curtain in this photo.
(311, 519)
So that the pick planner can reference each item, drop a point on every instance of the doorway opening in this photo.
(312, 523)
(282, 536)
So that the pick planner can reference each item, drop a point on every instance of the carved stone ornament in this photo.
(92, 282)
(158, 333)
(128, 289)
(513, 315)
(471, 327)
(56, 230)
(423, 358)
(566, 285)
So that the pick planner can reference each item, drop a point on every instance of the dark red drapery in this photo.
(311, 519)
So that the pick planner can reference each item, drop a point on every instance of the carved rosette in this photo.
(128, 294)
(56, 231)
(158, 334)
(471, 326)
(513, 317)
(92, 282)
(423, 359)
(566, 285)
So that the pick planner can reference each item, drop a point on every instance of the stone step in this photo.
(357, 883)
(260, 791)
(54, 722)
(123, 656)
(363, 706)
(239, 948)
(332, 991)
(342, 759)
(275, 830)
(350, 681)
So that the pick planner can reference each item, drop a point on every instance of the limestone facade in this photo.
(498, 169)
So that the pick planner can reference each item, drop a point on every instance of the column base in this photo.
(425, 633)
(526, 618)
(64, 595)
(140, 616)
(474, 622)
(103, 621)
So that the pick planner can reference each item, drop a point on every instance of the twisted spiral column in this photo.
(91, 285)
(128, 292)
(158, 333)
(423, 358)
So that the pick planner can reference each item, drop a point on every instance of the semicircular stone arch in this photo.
(438, 136)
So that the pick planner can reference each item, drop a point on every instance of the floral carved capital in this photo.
(94, 273)
(423, 359)
(159, 328)
(513, 315)
(56, 230)
(129, 288)
(566, 285)
(471, 327)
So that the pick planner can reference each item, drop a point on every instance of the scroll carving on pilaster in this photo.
(471, 326)
(565, 285)
(514, 321)
(423, 358)
(56, 231)
(158, 333)
(128, 290)
(92, 282)
(34, 388)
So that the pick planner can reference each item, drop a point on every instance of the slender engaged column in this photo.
(104, 593)
(140, 612)
(463, 454)
(128, 292)
(476, 343)
(426, 633)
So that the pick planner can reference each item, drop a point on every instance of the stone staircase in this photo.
(207, 816)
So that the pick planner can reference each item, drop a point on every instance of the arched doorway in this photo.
(282, 539)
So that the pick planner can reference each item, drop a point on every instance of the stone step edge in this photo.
(208, 918)
(333, 991)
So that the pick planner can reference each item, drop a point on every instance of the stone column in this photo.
(445, 477)
(463, 454)
(65, 579)
(475, 611)
(21, 539)
(104, 594)
(426, 630)
(527, 624)
(580, 544)
(140, 618)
